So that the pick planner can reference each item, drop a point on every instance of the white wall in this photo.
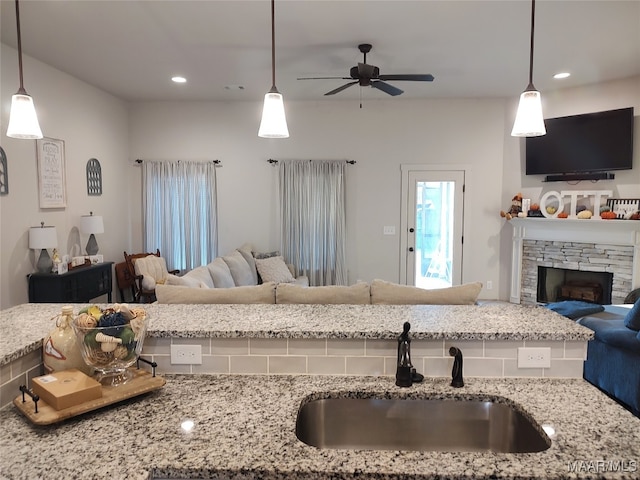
(92, 124)
(592, 98)
(380, 137)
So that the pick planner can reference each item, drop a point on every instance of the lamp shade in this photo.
(529, 121)
(42, 237)
(23, 121)
(91, 224)
(274, 120)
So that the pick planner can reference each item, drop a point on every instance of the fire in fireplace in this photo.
(556, 284)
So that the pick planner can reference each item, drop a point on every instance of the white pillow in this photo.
(240, 270)
(388, 293)
(202, 275)
(265, 293)
(273, 269)
(220, 273)
(191, 282)
(153, 270)
(357, 294)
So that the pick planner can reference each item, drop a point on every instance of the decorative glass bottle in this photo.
(60, 349)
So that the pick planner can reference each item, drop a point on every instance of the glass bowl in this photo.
(111, 340)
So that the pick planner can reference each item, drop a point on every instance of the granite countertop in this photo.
(244, 427)
(23, 327)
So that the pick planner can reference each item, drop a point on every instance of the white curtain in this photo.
(313, 219)
(180, 212)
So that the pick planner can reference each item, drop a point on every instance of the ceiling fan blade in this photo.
(417, 77)
(339, 89)
(368, 71)
(386, 88)
(324, 78)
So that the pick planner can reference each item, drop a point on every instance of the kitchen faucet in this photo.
(406, 374)
(456, 371)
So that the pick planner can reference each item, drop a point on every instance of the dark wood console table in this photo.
(79, 285)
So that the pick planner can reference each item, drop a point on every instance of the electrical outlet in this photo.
(389, 230)
(186, 355)
(489, 285)
(539, 357)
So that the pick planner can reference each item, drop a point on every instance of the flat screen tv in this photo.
(592, 142)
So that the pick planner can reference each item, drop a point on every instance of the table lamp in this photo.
(41, 238)
(91, 224)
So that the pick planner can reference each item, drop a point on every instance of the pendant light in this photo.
(529, 121)
(274, 121)
(23, 121)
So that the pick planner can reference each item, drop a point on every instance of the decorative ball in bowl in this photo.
(111, 340)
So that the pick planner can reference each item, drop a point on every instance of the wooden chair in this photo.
(125, 281)
(144, 292)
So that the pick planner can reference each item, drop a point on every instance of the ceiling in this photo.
(473, 48)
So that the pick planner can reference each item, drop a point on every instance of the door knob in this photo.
(411, 230)
(411, 249)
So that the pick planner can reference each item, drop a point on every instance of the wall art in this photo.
(51, 173)
(94, 177)
(624, 207)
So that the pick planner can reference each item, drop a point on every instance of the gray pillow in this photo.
(261, 256)
(220, 274)
(201, 274)
(273, 269)
(245, 251)
(240, 270)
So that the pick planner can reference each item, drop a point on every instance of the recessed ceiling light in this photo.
(179, 79)
(562, 75)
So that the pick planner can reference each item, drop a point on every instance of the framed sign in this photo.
(51, 173)
(624, 207)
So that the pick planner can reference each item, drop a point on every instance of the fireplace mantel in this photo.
(595, 230)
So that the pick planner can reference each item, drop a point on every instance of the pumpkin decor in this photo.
(609, 215)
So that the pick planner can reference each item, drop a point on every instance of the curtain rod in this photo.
(217, 162)
(273, 162)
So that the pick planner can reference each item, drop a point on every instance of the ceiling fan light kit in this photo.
(367, 75)
(529, 120)
(274, 120)
(23, 120)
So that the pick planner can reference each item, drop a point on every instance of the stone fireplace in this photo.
(595, 246)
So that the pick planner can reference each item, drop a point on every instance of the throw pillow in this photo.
(184, 281)
(220, 274)
(273, 269)
(574, 309)
(253, 294)
(240, 270)
(261, 256)
(632, 319)
(245, 251)
(357, 294)
(202, 275)
(388, 293)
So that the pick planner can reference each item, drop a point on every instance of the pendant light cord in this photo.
(21, 90)
(273, 45)
(533, 12)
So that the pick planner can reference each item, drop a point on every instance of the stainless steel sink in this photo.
(449, 425)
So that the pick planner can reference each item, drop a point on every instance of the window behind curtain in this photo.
(313, 219)
(180, 212)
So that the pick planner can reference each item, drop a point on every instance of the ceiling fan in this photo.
(367, 75)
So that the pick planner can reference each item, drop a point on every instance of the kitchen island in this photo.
(244, 425)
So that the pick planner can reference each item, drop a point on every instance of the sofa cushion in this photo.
(245, 251)
(220, 273)
(612, 332)
(357, 294)
(388, 293)
(153, 270)
(202, 275)
(185, 281)
(632, 319)
(273, 269)
(574, 309)
(240, 270)
(264, 293)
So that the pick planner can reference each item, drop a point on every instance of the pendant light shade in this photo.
(274, 120)
(23, 121)
(529, 121)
